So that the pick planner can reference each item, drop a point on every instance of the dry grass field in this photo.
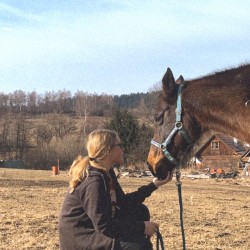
(216, 212)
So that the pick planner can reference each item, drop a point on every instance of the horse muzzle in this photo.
(161, 169)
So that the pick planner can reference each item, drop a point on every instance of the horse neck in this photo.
(221, 108)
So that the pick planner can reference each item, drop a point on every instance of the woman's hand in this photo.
(150, 228)
(159, 183)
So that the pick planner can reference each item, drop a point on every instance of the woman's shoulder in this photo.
(94, 179)
(93, 172)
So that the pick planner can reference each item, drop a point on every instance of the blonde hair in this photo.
(98, 145)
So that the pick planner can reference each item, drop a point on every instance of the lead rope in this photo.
(159, 240)
(178, 184)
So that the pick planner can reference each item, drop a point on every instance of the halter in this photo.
(178, 128)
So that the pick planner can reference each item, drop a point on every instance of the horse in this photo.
(187, 109)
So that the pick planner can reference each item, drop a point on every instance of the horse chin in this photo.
(161, 169)
(162, 172)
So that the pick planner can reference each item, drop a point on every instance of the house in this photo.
(220, 152)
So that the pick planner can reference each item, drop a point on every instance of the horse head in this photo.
(175, 128)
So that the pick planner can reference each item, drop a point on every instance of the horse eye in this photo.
(159, 119)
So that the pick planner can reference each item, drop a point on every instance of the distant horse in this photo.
(186, 109)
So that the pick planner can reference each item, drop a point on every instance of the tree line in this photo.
(63, 102)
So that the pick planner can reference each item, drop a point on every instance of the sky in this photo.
(117, 46)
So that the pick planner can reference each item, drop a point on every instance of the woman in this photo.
(96, 213)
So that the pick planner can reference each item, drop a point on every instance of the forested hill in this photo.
(42, 130)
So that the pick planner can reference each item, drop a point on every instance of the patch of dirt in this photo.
(216, 213)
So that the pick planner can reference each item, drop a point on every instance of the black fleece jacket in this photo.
(86, 220)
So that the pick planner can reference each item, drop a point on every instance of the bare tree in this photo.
(146, 114)
(82, 107)
(156, 87)
(23, 129)
(5, 141)
(44, 133)
(19, 99)
(32, 100)
(3, 103)
(101, 105)
(48, 102)
(63, 101)
(62, 125)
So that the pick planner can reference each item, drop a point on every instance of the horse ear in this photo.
(168, 83)
(180, 80)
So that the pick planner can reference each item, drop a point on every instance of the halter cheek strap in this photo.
(178, 128)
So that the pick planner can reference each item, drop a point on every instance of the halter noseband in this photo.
(177, 128)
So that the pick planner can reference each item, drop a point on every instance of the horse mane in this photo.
(218, 100)
(222, 73)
